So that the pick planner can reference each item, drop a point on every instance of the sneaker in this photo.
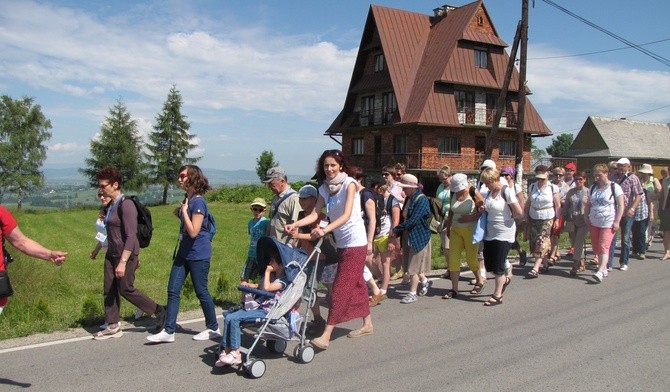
(424, 287)
(231, 359)
(623, 267)
(609, 269)
(605, 274)
(161, 312)
(138, 313)
(641, 256)
(598, 276)
(207, 334)
(104, 326)
(522, 258)
(408, 299)
(161, 337)
(108, 333)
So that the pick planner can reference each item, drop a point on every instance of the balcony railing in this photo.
(476, 116)
(375, 117)
(425, 161)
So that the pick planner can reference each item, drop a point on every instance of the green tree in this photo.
(264, 162)
(535, 151)
(560, 145)
(119, 145)
(23, 132)
(170, 143)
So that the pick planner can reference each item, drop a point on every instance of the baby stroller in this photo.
(283, 323)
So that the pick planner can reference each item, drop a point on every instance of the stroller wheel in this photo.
(276, 346)
(305, 353)
(255, 368)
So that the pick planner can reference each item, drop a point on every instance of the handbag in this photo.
(480, 229)
(435, 225)
(5, 287)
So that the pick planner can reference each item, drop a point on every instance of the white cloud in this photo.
(67, 147)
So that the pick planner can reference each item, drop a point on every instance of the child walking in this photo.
(256, 228)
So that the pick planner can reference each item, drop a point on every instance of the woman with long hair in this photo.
(338, 194)
(192, 257)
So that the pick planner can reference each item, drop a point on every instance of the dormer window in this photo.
(481, 58)
(379, 62)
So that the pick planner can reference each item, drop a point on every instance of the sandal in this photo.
(573, 271)
(450, 294)
(108, 333)
(532, 274)
(551, 262)
(507, 282)
(493, 301)
(446, 275)
(478, 288)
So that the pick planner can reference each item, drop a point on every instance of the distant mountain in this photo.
(216, 177)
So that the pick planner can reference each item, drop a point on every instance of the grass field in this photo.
(48, 298)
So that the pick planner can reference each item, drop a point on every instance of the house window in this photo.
(389, 106)
(400, 144)
(464, 100)
(507, 148)
(449, 145)
(481, 58)
(357, 146)
(367, 105)
(379, 62)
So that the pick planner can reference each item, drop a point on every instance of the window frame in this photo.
(481, 57)
(358, 146)
(449, 145)
(504, 146)
(380, 61)
(400, 144)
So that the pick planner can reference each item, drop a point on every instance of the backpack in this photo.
(379, 209)
(145, 226)
(211, 227)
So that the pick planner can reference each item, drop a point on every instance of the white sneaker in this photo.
(161, 337)
(598, 276)
(138, 313)
(605, 274)
(423, 290)
(623, 267)
(207, 334)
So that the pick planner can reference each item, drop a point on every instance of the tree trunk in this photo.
(165, 193)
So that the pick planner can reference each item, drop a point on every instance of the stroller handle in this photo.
(252, 290)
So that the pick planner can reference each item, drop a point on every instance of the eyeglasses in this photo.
(257, 209)
(103, 186)
(558, 175)
(579, 179)
(506, 175)
(101, 196)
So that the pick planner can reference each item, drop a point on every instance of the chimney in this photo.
(441, 12)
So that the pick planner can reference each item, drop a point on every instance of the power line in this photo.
(598, 52)
(651, 54)
(648, 111)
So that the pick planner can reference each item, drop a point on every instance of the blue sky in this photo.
(257, 75)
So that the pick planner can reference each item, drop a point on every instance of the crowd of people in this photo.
(368, 232)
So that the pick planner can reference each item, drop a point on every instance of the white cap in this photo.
(488, 163)
(623, 161)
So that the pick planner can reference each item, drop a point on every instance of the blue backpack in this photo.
(211, 226)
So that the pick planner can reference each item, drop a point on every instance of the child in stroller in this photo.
(273, 280)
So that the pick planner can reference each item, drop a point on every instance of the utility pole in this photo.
(520, 137)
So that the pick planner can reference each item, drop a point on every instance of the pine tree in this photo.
(264, 162)
(119, 145)
(170, 143)
(23, 132)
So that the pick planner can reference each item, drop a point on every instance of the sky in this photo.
(272, 75)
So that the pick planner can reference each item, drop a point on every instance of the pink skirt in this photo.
(349, 297)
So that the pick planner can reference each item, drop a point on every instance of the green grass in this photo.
(48, 298)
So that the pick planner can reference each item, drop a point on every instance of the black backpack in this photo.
(145, 227)
(379, 209)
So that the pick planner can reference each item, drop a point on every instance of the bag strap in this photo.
(275, 209)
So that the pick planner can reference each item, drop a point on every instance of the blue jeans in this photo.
(231, 325)
(199, 270)
(626, 233)
(640, 236)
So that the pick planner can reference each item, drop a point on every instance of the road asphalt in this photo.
(553, 333)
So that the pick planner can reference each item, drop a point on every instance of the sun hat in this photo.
(307, 191)
(646, 168)
(488, 163)
(541, 171)
(458, 182)
(623, 161)
(259, 201)
(571, 166)
(408, 181)
(274, 173)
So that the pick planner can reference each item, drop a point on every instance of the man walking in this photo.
(635, 207)
(285, 205)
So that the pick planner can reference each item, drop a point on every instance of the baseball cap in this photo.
(623, 161)
(571, 166)
(307, 191)
(259, 201)
(274, 173)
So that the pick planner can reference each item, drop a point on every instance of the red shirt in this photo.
(7, 224)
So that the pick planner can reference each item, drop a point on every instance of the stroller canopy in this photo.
(293, 259)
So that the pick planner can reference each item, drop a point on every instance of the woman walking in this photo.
(542, 209)
(193, 256)
(574, 222)
(502, 206)
(603, 214)
(338, 194)
(121, 258)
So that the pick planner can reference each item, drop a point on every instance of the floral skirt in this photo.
(539, 236)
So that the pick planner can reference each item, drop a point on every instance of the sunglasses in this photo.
(183, 176)
(333, 152)
(506, 175)
(579, 179)
(257, 209)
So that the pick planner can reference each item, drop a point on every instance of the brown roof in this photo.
(421, 51)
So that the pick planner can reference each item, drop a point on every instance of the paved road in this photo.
(554, 333)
